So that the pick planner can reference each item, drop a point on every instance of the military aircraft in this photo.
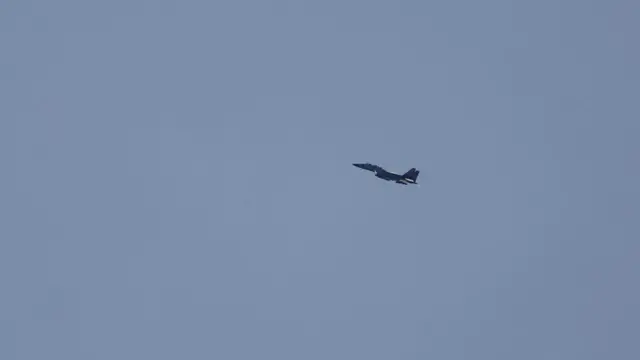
(410, 177)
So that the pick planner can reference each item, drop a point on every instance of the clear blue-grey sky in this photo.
(176, 180)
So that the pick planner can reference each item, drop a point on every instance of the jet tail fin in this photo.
(412, 174)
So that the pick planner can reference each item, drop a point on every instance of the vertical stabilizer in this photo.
(412, 175)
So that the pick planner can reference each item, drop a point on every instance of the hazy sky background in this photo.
(177, 180)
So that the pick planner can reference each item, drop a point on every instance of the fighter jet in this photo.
(410, 177)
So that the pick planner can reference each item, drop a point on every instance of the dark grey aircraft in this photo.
(410, 177)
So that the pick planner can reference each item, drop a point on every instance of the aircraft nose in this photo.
(359, 166)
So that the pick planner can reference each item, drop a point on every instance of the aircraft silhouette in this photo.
(410, 177)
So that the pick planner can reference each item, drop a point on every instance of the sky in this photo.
(177, 180)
